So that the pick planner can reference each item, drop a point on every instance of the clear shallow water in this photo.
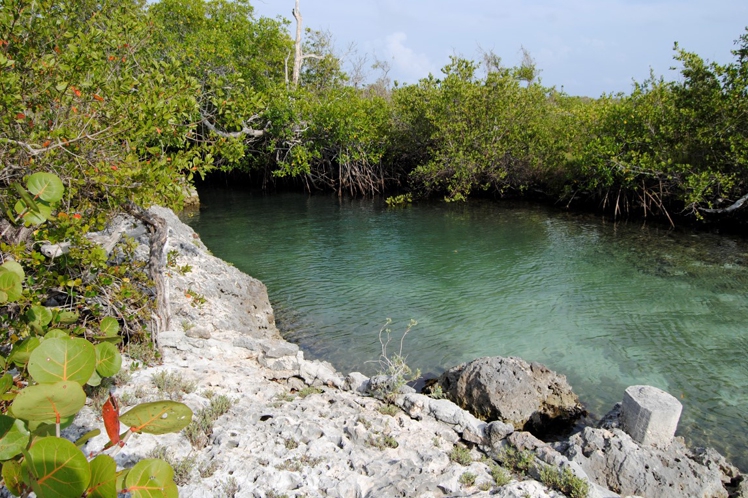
(607, 305)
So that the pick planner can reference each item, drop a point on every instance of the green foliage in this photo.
(565, 481)
(461, 455)
(467, 479)
(54, 367)
(394, 365)
(520, 461)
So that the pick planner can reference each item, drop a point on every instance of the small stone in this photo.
(357, 382)
(171, 338)
(198, 332)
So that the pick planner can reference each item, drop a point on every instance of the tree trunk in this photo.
(298, 58)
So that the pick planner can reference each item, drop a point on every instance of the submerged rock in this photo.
(529, 396)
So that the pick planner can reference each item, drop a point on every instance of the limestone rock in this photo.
(528, 396)
(650, 415)
(611, 458)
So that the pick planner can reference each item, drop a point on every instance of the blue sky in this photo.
(588, 47)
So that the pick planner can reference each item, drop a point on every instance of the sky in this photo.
(585, 47)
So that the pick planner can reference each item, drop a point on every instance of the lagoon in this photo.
(607, 304)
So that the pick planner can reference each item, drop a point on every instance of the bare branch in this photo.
(736, 205)
(246, 131)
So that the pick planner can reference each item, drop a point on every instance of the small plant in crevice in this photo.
(172, 384)
(382, 441)
(196, 299)
(388, 409)
(565, 481)
(467, 479)
(461, 455)
(198, 432)
(520, 461)
(291, 444)
(500, 475)
(394, 365)
(229, 487)
(308, 391)
(183, 467)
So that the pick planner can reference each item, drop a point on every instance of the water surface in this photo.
(607, 305)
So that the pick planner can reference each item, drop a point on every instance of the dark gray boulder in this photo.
(529, 396)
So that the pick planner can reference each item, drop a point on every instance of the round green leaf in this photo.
(103, 478)
(47, 402)
(12, 475)
(10, 284)
(63, 359)
(108, 359)
(64, 316)
(6, 382)
(109, 326)
(38, 317)
(14, 267)
(13, 437)
(45, 186)
(42, 214)
(95, 379)
(22, 351)
(151, 478)
(158, 417)
(60, 334)
(58, 468)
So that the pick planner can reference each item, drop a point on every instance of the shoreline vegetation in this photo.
(116, 105)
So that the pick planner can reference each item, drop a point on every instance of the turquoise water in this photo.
(608, 305)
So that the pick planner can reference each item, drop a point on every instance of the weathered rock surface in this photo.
(611, 458)
(528, 396)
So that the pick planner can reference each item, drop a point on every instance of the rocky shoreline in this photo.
(300, 428)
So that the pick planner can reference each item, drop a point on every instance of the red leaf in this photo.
(110, 412)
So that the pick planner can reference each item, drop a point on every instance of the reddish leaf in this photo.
(110, 413)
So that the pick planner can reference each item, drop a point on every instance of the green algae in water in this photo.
(608, 305)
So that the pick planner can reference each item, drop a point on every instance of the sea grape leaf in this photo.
(108, 359)
(103, 478)
(64, 316)
(14, 267)
(13, 437)
(22, 351)
(38, 317)
(86, 437)
(46, 186)
(37, 217)
(10, 284)
(109, 326)
(158, 417)
(12, 477)
(151, 478)
(63, 359)
(52, 333)
(49, 402)
(6, 382)
(57, 468)
(94, 380)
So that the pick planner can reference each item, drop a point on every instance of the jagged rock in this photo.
(528, 396)
(611, 458)
(357, 382)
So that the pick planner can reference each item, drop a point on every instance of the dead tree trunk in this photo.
(158, 231)
(298, 58)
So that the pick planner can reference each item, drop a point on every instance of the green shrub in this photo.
(461, 455)
(565, 481)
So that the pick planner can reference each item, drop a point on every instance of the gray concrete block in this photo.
(650, 415)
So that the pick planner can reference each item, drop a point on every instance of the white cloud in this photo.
(407, 62)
